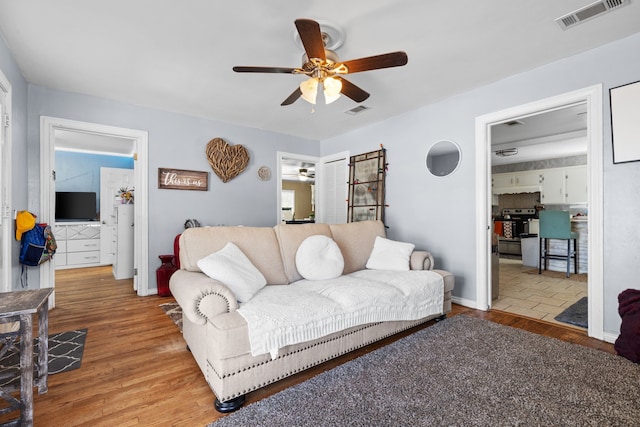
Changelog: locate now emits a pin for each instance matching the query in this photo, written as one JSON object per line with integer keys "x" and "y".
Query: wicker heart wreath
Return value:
{"x": 227, "y": 161}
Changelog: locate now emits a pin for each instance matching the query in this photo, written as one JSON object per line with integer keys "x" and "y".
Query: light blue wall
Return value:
{"x": 438, "y": 213}
{"x": 19, "y": 146}
{"x": 175, "y": 141}
{"x": 81, "y": 171}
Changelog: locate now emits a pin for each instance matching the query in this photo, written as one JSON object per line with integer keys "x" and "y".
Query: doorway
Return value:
{"x": 330, "y": 190}
{"x": 538, "y": 162}
{"x": 50, "y": 127}
{"x": 592, "y": 97}
{"x": 297, "y": 179}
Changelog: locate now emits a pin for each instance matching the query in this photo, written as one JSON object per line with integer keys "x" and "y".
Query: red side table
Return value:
{"x": 164, "y": 273}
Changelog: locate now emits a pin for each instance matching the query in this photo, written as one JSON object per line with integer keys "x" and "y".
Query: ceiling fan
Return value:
{"x": 302, "y": 172}
{"x": 322, "y": 66}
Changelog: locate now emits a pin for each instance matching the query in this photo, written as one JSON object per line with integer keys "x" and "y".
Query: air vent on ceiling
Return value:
{"x": 588, "y": 12}
{"x": 356, "y": 110}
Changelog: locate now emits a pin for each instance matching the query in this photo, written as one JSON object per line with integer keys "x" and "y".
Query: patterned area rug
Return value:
{"x": 173, "y": 310}
{"x": 576, "y": 314}
{"x": 65, "y": 354}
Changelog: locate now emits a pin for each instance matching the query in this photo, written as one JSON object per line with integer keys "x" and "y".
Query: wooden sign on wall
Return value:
{"x": 178, "y": 179}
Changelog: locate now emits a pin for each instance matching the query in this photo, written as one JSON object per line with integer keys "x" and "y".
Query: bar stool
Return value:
{"x": 557, "y": 225}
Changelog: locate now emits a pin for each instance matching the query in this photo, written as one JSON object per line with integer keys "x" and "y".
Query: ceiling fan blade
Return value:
{"x": 311, "y": 38}
{"x": 293, "y": 97}
{"x": 264, "y": 70}
{"x": 386, "y": 60}
{"x": 352, "y": 91}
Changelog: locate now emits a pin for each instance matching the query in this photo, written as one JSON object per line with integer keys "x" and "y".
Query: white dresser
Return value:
{"x": 78, "y": 244}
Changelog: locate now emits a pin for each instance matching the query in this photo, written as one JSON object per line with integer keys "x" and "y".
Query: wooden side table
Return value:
{"x": 20, "y": 306}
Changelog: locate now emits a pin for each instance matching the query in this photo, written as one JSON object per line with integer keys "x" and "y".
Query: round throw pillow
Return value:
{"x": 319, "y": 258}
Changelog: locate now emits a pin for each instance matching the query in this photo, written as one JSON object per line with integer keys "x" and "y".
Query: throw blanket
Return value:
{"x": 278, "y": 316}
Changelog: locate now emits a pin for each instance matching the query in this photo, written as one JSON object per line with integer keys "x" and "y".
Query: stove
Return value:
{"x": 510, "y": 226}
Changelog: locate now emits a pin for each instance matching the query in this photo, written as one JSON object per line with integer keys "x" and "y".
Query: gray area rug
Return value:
{"x": 65, "y": 354}
{"x": 174, "y": 311}
{"x": 461, "y": 372}
{"x": 576, "y": 314}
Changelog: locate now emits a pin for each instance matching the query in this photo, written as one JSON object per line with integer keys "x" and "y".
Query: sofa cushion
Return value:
{"x": 259, "y": 244}
{"x": 390, "y": 255}
{"x": 319, "y": 258}
{"x": 355, "y": 241}
{"x": 290, "y": 236}
{"x": 232, "y": 267}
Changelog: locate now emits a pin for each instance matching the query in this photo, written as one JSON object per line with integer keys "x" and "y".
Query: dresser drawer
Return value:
{"x": 83, "y": 245}
{"x": 62, "y": 246}
{"x": 60, "y": 259}
{"x": 89, "y": 257}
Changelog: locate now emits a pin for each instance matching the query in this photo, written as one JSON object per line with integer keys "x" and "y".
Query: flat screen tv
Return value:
{"x": 76, "y": 206}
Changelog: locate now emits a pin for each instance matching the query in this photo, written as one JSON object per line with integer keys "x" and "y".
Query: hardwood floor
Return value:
{"x": 136, "y": 370}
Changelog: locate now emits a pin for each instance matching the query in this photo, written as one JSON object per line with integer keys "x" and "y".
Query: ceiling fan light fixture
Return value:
{"x": 309, "y": 89}
{"x": 332, "y": 89}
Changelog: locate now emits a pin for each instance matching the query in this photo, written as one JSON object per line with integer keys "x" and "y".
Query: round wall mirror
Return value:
{"x": 443, "y": 158}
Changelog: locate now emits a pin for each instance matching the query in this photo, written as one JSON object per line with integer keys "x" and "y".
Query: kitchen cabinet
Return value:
{"x": 576, "y": 185}
{"x": 528, "y": 178}
{"x": 516, "y": 182}
{"x": 565, "y": 185}
{"x": 503, "y": 180}
{"x": 552, "y": 186}
{"x": 556, "y": 186}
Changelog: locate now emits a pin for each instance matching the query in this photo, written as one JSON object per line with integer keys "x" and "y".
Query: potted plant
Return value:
{"x": 126, "y": 195}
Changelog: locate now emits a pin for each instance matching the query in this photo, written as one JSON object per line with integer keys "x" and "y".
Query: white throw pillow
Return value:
{"x": 319, "y": 258}
{"x": 390, "y": 255}
{"x": 232, "y": 267}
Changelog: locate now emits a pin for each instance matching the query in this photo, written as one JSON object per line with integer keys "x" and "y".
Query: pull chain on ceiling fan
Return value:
{"x": 323, "y": 67}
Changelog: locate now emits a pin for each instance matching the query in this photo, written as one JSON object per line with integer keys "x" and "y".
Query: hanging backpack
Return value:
{"x": 37, "y": 245}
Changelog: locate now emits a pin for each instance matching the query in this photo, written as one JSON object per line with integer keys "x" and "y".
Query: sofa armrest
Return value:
{"x": 200, "y": 296}
{"x": 421, "y": 260}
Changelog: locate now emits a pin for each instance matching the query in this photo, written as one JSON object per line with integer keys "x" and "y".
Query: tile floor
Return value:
{"x": 533, "y": 295}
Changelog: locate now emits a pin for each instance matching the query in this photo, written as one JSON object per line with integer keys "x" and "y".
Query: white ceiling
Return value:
{"x": 547, "y": 135}
{"x": 178, "y": 56}
{"x": 93, "y": 143}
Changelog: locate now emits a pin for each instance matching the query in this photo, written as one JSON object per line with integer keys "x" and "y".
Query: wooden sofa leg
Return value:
{"x": 230, "y": 405}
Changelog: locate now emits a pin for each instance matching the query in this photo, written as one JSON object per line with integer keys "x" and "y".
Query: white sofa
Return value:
{"x": 216, "y": 331}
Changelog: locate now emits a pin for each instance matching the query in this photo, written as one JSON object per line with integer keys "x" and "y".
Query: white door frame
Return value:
{"x": 6, "y": 197}
{"x": 593, "y": 97}
{"x": 48, "y": 126}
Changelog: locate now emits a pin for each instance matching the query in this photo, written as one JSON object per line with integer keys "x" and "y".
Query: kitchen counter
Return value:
{"x": 580, "y": 226}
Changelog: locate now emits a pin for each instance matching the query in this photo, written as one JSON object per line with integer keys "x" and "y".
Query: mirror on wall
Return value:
{"x": 443, "y": 158}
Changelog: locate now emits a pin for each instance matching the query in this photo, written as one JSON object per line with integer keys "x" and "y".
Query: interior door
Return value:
{"x": 111, "y": 180}
{"x": 332, "y": 188}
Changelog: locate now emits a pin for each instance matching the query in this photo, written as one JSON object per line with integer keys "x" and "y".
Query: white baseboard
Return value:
{"x": 466, "y": 302}
{"x": 609, "y": 337}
